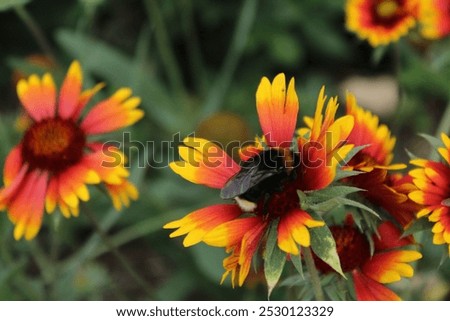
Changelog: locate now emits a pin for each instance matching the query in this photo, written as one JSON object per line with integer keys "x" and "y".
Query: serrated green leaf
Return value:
{"x": 274, "y": 259}
{"x": 10, "y": 4}
{"x": 331, "y": 192}
{"x": 324, "y": 207}
{"x": 340, "y": 174}
{"x": 297, "y": 262}
{"x": 435, "y": 142}
{"x": 349, "y": 202}
{"x": 324, "y": 246}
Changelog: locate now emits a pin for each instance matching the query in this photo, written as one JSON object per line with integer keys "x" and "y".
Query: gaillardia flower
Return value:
{"x": 381, "y": 21}
{"x": 265, "y": 185}
{"x": 56, "y": 159}
{"x": 388, "y": 264}
{"x": 434, "y": 16}
{"x": 433, "y": 182}
{"x": 390, "y": 191}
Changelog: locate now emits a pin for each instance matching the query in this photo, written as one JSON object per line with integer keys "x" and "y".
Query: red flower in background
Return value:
{"x": 56, "y": 160}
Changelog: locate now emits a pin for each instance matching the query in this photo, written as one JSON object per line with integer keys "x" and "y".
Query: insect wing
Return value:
{"x": 244, "y": 180}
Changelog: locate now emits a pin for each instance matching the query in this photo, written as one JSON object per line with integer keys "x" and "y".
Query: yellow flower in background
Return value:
{"x": 381, "y": 22}
{"x": 57, "y": 158}
{"x": 433, "y": 182}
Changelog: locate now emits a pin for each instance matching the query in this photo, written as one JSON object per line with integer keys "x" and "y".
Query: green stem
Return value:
{"x": 138, "y": 230}
{"x": 166, "y": 52}
{"x": 122, "y": 259}
{"x": 194, "y": 54}
{"x": 315, "y": 279}
{"x": 220, "y": 87}
{"x": 42, "y": 261}
{"x": 36, "y": 31}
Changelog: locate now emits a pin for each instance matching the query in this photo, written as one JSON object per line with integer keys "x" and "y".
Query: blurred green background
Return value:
{"x": 196, "y": 65}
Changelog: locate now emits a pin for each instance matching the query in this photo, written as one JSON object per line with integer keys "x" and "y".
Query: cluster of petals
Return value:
{"x": 381, "y": 22}
{"x": 432, "y": 180}
{"x": 242, "y": 232}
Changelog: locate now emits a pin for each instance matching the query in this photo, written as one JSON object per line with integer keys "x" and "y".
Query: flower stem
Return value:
{"x": 36, "y": 31}
{"x": 315, "y": 280}
{"x": 166, "y": 51}
{"x": 218, "y": 90}
{"x": 119, "y": 256}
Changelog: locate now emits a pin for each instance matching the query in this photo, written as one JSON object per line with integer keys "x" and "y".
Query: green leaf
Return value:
{"x": 435, "y": 142}
{"x": 418, "y": 226}
{"x": 323, "y": 207}
{"x": 274, "y": 259}
{"x": 324, "y": 246}
{"x": 340, "y": 174}
{"x": 410, "y": 154}
{"x": 331, "y": 192}
{"x": 378, "y": 54}
{"x": 10, "y": 4}
{"x": 297, "y": 262}
{"x": 349, "y": 202}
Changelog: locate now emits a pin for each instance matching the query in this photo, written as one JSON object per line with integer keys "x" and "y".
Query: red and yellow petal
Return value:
{"x": 390, "y": 237}
{"x": 368, "y": 131}
{"x": 38, "y": 96}
{"x": 204, "y": 163}
{"x": 231, "y": 265}
{"x": 277, "y": 110}
{"x": 13, "y": 165}
{"x": 241, "y": 237}
{"x": 108, "y": 164}
{"x": 380, "y": 22}
{"x": 25, "y": 204}
{"x": 198, "y": 224}
{"x": 445, "y": 151}
{"x": 369, "y": 290}
{"x": 435, "y": 18}
{"x": 70, "y": 91}
{"x": 121, "y": 194}
{"x": 388, "y": 267}
{"x": 118, "y": 111}
{"x": 231, "y": 232}
{"x": 323, "y": 146}
{"x": 293, "y": 230}
{"x": 84, "y": 98}
{"x": 249, "y": 245}
{"x": 67, "y": 189}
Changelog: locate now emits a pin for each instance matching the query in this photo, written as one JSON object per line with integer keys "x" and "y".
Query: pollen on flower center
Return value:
{"x": 53, "y": 144}
{"x": 352, "y": 247}
{"x": 387, "y": 9}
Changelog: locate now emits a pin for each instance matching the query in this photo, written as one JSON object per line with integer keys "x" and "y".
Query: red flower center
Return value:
{"x": 53, "y": 145}
{"x": 352, "y": 247}
{"x": 279, "y": 203}
{"x": 388, "y": 12}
